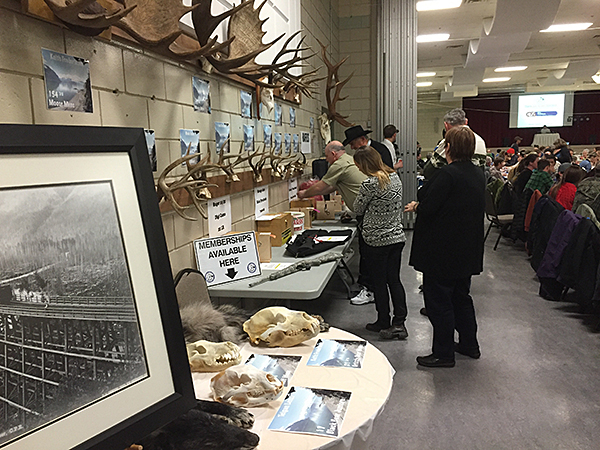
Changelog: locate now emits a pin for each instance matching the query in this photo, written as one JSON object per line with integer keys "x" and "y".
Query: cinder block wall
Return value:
{"x": 133, "y": 87}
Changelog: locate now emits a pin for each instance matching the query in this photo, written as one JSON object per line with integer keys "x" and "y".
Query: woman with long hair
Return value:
{"x": 447, "y": 248}
{"x": 561, "y": 151}
{"x": 564, "y": 192}
{"x": 379, "y": 201}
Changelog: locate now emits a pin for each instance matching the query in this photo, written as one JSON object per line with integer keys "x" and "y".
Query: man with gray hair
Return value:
{"x": 454, "y": 118}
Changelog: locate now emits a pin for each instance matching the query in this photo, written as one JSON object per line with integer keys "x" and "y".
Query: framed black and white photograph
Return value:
{"x": 222, "y": 132}
{"x": 305, "y": 146}
{"x": 248, "y": 138}
{"x": 287, "y": 139}
{"x": 268, "y": 136}
{"x": 201, "y": 93}
{"x": 246, "y": 103}
{"x": 278, "y": 115}
{"x": 189, "y": 141}
{"x": 67, "y": 80}
{"x": 91, "y": 345}
{"x": 277, "y": 143}
{"x": 292, "y": 116}
{"x": 151, "y": 143}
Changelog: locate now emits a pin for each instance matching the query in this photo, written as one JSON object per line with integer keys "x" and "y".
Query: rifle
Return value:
{"x": 300, "y": 265}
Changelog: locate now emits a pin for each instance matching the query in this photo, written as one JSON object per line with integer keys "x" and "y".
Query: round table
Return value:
{"x": 370, "y": 386}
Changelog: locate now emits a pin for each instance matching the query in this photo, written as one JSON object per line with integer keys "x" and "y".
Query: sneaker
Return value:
{"x": 363, "y": 297}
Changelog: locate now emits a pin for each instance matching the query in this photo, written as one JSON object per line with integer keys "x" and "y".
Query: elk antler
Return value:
{"x": 87, "y": 16}
{"x": 333, "y": 82}
{"x": 258, "y": 166}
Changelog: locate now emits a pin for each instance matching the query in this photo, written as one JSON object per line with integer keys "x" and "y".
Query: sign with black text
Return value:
{"x": 219, "y": 216}
{"x": 227, "y": 258}
{"x": 261, "y": 201}
{"x": 292, "y": 189}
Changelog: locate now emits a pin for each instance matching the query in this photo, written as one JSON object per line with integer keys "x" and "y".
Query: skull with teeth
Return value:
{"x": 205, "y": 356}
{"x": 277, "y": 326}
{"x": 245, "y": 386}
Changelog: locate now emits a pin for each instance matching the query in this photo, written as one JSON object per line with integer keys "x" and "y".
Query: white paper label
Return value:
{"x": 261, "y": 201}
{"x": 219, "y": 216}
{"x": 292, "y": 189}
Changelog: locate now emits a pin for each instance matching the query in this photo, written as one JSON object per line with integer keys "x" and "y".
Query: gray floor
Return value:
{"x": 536, "y": 385}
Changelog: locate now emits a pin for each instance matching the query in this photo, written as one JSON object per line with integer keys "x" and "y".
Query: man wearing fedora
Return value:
{"x": 356, "y": 136}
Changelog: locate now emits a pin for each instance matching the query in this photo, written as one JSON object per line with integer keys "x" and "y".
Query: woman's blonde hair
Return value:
{"x": 369, "y": 162}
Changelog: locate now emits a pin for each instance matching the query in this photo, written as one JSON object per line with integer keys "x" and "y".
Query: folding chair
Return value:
{"x": 503, "y": 221}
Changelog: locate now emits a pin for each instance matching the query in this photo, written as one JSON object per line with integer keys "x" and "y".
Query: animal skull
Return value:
{"x": 266, "y": 98}
{"x": 245, "y": 386}
{"x": 325, "y": 128}
{"x": 205, "y": 356}
{"x": 277, "y": 326}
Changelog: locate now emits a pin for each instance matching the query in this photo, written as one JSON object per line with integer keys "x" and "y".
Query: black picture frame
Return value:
{"x": 27, "y": 145}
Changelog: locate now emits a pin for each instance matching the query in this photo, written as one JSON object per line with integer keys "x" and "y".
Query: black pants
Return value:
{"x": 449, "y": 307}
{"x": 383, "y": 270}
{"x": 363, "y": 276}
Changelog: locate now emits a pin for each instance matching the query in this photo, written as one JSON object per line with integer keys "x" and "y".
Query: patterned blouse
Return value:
{"x": 382, "y": 210}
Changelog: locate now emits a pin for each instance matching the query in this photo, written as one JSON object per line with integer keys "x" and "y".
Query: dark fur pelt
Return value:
{"x": 209, "y": 426}
{"x": 202, "y": 321}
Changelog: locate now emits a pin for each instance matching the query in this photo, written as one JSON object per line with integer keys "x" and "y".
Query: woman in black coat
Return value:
{"x": 447, "y": 247}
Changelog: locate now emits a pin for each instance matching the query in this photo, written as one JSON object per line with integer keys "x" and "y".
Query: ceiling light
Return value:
{"x": 510, "y": 69}
{"x": 431, "y": 5}
{"x": 433, "y": 37}
{"x": 424, "y": 83}
{"x": 425, "y": 74}
{"x": 567, "y": 27}
{"x": 495, "y": 80}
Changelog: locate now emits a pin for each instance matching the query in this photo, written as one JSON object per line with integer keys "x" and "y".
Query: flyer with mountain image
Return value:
{"x": 338, "y": 353}
{"x": 280, "y": 366}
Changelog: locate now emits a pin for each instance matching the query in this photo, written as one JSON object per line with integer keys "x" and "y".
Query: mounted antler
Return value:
{"x": 87, "y": 16}
{"x": 258, "y": 166}
{"x": 333, "y": 82}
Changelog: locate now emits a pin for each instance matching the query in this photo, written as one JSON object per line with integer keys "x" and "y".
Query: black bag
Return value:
{"x": 308, "y": 243}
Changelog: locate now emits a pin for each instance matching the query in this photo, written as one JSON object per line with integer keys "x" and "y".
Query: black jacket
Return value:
{"x": 384, "y": 152}
{"x": 448, "y": 237}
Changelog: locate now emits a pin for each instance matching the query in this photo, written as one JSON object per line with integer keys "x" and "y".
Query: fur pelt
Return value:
{"x": 202, "y": 321}
{"x": 208, "y": 426}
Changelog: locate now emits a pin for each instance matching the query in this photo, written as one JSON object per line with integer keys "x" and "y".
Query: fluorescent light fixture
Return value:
{"x": 495, "y": 80}
{"x": 432, "y": 5}
{"x": 425, "y": 74}
{"x": 433, "y": 37}
{"x": 510, "y": 69}
{"x": 424, "y": 83}
{"x": 567, "y": 27}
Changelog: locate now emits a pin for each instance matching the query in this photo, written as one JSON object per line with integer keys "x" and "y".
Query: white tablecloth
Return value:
{"x": 370, "y": 386}
{"x": 546, "y": 139}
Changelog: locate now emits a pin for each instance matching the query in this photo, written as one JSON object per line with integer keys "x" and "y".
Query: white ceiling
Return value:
{"x": 512, "y": 38}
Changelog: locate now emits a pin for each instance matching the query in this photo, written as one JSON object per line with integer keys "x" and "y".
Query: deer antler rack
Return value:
{"x": 257, "y": 166}
{"x": 334, "y": 83}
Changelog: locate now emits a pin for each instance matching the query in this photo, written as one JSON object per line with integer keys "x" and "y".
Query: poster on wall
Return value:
{"x": 219, "y": 216}
{"x": 248, "y": 138}
{"x": 288, "y": 143}
{"x": 189, "y": 141}
{"x": 292, "y": 116}
{"x": 222, "y": 136}
{"x": 312, "y": 125}
{"x": 296, "y": 143}
{"x": 261, "y": 201}
{"x": 201, "y": 93}
{"x": 305, "y": 145}
{"x": 278, "y": 118}
{"x": 67, "y": 80}
{"x": 312, "y": 411}
{"x": 246, "y": 103}
{"x": 151, "y": 144}
{"x": 277, "y": 143}
{"x": 268, "y": 136}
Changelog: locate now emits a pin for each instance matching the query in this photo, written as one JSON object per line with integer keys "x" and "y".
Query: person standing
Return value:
{"x": 379, "y": 200}
{"x": 357, "y": 137}
{"x": 447, "y": 247}
{"x": 389, "y": 140}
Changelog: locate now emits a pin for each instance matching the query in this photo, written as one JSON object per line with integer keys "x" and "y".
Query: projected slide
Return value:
{"x": 536, "y": 111}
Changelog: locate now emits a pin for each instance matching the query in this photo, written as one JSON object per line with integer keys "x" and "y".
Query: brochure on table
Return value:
{"x": 280, "y": 366}
{"x": 338, "y": 353}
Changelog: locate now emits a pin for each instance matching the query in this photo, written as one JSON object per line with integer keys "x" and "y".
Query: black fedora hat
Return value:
{"x": 354, "y": 132}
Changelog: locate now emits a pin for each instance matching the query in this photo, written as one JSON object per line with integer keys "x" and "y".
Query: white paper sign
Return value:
{"x": 227, "y": 258}
{"x": 305, "y": 144}
{"x": 261, "y": 201}
{"x": 292, "y": 189}
{"x": 219, "y": 216}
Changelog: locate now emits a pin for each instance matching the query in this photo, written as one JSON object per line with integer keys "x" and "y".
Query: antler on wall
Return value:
{"x": 334, "y": 83}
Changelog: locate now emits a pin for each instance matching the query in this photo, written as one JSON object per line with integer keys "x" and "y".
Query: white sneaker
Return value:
{"x": 363, "y": 297}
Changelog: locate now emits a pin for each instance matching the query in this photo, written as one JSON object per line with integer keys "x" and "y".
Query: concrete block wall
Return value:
{"x": 430, "y": 114}
{"x": 133, "y": 87}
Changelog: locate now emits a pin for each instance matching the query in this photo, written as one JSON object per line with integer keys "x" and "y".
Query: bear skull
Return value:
{"x": 277, "y": 326}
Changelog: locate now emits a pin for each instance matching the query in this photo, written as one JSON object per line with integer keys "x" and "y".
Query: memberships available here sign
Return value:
{"x": 227, "y": 258}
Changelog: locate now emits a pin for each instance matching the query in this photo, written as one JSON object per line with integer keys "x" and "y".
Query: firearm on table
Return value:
{"x": 300, "y": 265}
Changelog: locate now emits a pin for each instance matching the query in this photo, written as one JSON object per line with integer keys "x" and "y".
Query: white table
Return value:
{"x": 370, "y": 386}
{"x": 545, "y": 139}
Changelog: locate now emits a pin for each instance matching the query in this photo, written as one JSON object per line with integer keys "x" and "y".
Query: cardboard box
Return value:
{"x": 338, "y": 202}
{"x": 280, "y": 226}
{"x": 308, "y": 215}
{"x": 304, "y": 203}
{"x": 263, "y": 241}
{"x": 325, "y": 210}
